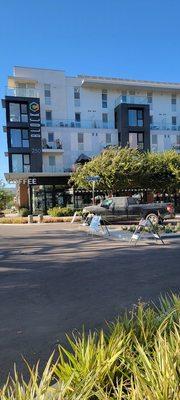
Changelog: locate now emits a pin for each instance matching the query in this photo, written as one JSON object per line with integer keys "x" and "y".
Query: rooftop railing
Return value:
{"x": 131, "y": 99}
{"x": 70, "y": 123}
{"x": 21, "y": 92}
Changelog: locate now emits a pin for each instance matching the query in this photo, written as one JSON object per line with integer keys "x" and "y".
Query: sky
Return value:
{"x": 138, "y": 39}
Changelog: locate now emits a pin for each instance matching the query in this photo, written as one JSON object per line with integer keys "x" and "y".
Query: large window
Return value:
{"x": 136, "y": 140}
{"x": 104, "y": 98}
{"x": 173, "y": 102}
{"x": 52, "y": 161}
{"x": 78, "y": 119}
{"x": 50, "y": 136}
{"x": 105, "y": 120}
{"x": 77, "y": 96}
{"x": 47, "y": 93}
{"x": 19, "y": 138}
{"x": 80, "y": 141}
{"x": 48, "y": 118}
{"x": 20, "y": 163}
{"x": 174, "y": 123}
{"x": 108, "y": 138}
{"x": 18, "y": 112}
{"x": 135, "y": 117}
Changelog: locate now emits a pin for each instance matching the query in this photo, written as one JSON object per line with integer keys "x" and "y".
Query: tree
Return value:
{"x": 126, "y": 168}
{"x": 5, "y": 197}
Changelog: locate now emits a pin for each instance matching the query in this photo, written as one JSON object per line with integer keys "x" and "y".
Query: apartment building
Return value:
{"x": 54, "y": 121}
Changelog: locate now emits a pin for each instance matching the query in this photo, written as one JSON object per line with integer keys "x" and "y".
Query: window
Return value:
{"x": 47, "y": 93}
{"x": 135, "y": 117}
{"x": 80, "y": 141}
{"x": 151, "y": 119}
{"x": 173, "y": 102}
{"x": 78, "y": 119}
{"x": 104, "y": 98}
{"x": 26, "y": 162}
{"x": 19, "y": 138}
{"x": 149, "y": 97}
{"x": 15, "y": 135}
{"x": 52, "y": 161}
{"x": 174, "y": 123}
{"x": 20, "y": 163}
{"x": 124, "y": 98}
{"x": 140, "y": 141}
{"x": 18, "y": 112}
{"x": 154, "y": 139}
{"x": 50, "y": 136}
{"x": 14, "y": 111}
{"x": 105, "y": 120}
{"x": 108, "y": 138}
{"x": 178, "y": 139}
{"x": 77, "y": 96}
{"x": 48, "y": 118}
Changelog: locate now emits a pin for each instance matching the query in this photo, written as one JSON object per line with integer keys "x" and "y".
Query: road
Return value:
{"x": 54, "y": 279}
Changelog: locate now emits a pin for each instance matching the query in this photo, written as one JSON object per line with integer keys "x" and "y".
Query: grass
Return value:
{"x": 136, "y": 358}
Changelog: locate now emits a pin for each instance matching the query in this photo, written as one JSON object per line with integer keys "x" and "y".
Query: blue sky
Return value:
{"x": 137, "y": 39}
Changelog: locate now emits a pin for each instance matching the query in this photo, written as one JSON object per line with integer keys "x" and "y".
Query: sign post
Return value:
{"x": 93, "y": 179}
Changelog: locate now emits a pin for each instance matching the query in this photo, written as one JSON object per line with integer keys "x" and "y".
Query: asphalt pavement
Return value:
{"x": 54, "y": 278}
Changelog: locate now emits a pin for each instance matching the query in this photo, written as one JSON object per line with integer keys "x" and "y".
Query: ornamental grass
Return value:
{"x": 136, "y": 358}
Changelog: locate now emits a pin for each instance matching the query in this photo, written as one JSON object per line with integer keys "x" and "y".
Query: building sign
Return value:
{"x": 32, "y": 181}
{"x": 34, "y": 118}
{"x": 35, "y": 134}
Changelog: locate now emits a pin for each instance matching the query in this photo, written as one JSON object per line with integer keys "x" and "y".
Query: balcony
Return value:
{"x": 131, "y": 99}
{"x": 52, "y": 147}
{"x": 164, "y": 126}
{"x": 70, "y": 123}
{"x": 52, "y": 169}
{"x": 21, "y": 92}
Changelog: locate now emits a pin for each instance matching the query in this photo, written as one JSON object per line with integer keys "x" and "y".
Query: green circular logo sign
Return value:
{"x": 34, "y": 107}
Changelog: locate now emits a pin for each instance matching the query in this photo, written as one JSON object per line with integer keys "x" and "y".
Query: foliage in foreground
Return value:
{"x": 137, "y": 358}
{"x": 127, "y": 168}
{"x": 60, "y": 212}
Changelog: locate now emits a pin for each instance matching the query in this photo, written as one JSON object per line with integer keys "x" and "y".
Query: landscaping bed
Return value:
{"x": 135, "y": 358}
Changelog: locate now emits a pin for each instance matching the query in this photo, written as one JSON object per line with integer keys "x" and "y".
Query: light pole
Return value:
{"x": 93, "y": 179}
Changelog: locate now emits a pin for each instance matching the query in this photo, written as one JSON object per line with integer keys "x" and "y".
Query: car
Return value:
{"x": 129, "y": 208}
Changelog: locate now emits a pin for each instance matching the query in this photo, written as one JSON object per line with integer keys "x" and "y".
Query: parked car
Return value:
{"x": 129, "y": 208}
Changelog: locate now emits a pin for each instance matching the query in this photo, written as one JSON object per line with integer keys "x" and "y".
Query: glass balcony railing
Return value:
{"x": 70, "y": 123}
{"x": 56, "y": 145}
{"x": 164, "y": 126}
{"x": 22, "y": 92}
{"x": 52, "y": 169}
{"x": 131, "y": 99}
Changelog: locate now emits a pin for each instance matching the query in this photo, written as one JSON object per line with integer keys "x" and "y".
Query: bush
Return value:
{"x": 18, "y": 220}
{"x": 136, "y": 358}
{"x": 60, "y": 212}
{"x": 24, "y": 212}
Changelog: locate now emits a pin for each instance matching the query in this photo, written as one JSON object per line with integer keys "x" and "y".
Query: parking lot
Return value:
{"x": 54, "y": 278}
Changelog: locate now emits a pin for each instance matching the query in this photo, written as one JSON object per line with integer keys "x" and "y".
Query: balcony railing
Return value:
{"x": 131, "y": 99}
{"x": 70, "y": 123}
{"x": 164, "y": 126}
{"x": 22, "y": 92}
{"x": 55, "y": 145}
{"x": 52, "y": 169}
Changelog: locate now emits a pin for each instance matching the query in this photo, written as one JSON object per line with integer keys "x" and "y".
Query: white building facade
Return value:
{"x": 78, "y": 112}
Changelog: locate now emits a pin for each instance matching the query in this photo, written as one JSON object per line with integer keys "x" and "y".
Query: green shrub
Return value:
{"x": 14, "y": 220}
{"x": 60, "y": 212}
{"x": 24, "y": 212}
